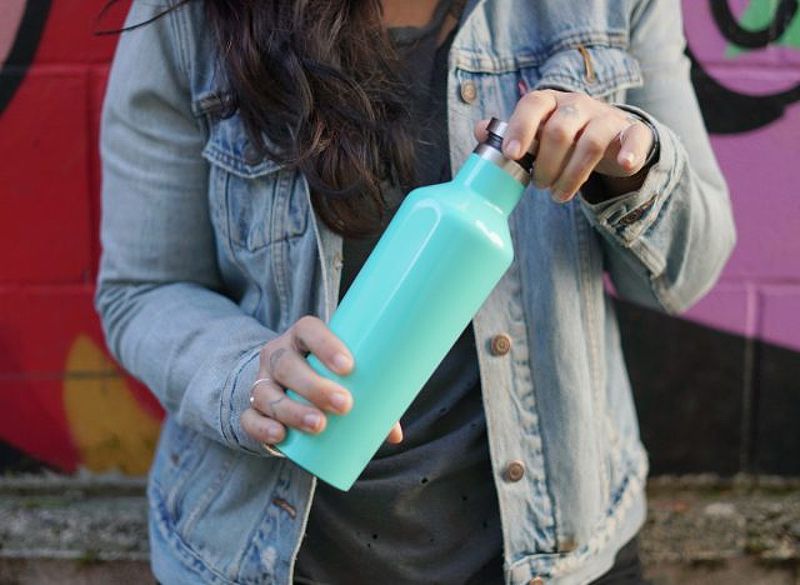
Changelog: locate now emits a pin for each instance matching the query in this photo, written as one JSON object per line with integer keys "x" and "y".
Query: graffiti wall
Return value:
{"x": 729, "y": 379}
{"x": 727, "y": 375}
{"x": 63, "y": 401}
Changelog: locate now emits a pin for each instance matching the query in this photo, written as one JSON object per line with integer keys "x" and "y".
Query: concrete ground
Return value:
{"x": 700, "y": 530}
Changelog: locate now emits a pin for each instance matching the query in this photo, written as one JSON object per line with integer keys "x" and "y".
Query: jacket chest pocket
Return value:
{"x": 496, "y": 81}
{"x": 255, "y": 202}
{"x": 601, "y": 71}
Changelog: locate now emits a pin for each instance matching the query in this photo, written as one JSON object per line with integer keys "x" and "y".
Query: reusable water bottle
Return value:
{"x": 444, "y": 251}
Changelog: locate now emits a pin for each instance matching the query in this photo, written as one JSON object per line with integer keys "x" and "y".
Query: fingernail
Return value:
{"x": 272, "y": 434}
{"x": 512, "y": 149}
{"x": 341, "y": 361}
{"x": 339, "y": 400}
{"x": 628, "y": 159}
{"x": 559, "y": 196}
{"x": 312, "y": 421}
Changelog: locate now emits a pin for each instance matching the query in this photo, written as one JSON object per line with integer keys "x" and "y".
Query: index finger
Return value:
{"x": 311, "y": 334}
{"x": 533, "y": 109}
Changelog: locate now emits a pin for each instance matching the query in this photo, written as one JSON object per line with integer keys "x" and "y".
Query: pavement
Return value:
{"x": 705, "y": 530}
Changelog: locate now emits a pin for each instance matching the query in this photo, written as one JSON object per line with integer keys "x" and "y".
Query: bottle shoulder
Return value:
{"x": 455, "y": 201}
{"x": 459, "y": 210}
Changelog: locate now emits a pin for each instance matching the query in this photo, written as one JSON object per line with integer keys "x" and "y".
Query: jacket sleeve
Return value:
{"x": 159, "y": 295}
{"x": 666, "y": 244}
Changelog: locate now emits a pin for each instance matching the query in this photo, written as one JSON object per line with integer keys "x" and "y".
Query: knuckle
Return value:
{"x": 326, "y": 343}
{"x": 539, "y": 97}
{"x": 305, "y": 320}
{"x": 266, "y": 350}
{"x": 533, "y": 97}
{"x": 306, "y": 323}
{"x": 283, "y": 411}
{"x": 557, "y": 132}
{"x": 594, "y": 145}
{"x": 282, "y": 368}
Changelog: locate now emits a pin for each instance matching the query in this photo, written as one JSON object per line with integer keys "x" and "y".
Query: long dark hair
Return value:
{"x": 319, "y": 79}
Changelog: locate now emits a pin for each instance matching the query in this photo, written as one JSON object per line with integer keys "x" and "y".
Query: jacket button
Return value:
{"x": 501, "y": 344}
{"x": 536, "y": 581}
{"x": 468, "y": 91}
{"x": 567, "y": 545}
{"x": 515, "y": 470}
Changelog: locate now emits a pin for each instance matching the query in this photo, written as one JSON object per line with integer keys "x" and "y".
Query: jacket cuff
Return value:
{"x": 236, "y": 400}
{"x": 627, "y": 216}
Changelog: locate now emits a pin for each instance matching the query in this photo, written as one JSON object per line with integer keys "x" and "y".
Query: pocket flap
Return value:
{"x": 596, "y": 70}
{"x": 229, "y": 147}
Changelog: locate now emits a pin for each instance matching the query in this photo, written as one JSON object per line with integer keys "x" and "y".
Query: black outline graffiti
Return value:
{"x": 729, "y": 112}
{"x": 22, "y": 52}
{"x": 757, "y": 39}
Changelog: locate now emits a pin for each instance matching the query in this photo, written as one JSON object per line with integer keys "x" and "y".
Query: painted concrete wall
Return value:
{"x": 63, "y": 401}
{"x": 722, "y": 392}
{"x": 755, "y": 112}
{"x": 65, "y": 404}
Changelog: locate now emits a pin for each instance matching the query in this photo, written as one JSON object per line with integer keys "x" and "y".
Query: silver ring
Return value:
{"x": 253, "y": 387}
{"x": 257, "y": 382}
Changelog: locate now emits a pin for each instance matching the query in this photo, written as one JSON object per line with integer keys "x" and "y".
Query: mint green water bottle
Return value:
{"x": 441, "y": 255}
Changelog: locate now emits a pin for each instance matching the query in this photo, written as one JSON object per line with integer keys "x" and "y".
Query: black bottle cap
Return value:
{"x": 497, "y": 130}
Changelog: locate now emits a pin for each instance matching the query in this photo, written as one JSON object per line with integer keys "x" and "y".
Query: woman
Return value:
{"x": 252, "y": 154}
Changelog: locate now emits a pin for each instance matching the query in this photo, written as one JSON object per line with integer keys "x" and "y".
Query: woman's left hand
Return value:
{"x": 572, "y": 135}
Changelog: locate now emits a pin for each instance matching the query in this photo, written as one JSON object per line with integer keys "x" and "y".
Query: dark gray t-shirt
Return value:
{"x": 424, "y": 511}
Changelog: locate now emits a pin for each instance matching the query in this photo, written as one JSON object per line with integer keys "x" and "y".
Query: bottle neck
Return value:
{"x": 496, "y": 185}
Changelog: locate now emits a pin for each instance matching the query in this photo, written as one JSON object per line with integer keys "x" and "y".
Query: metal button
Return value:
{"x": 567, "y": 544}
{"x": 536, "y": 581}
{"x": 515, "y": 470}
{"x": 501, "y": 344}
{"x": 468, "y": 91}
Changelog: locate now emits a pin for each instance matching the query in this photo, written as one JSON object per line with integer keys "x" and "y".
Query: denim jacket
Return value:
{"x": 209, "y": 252}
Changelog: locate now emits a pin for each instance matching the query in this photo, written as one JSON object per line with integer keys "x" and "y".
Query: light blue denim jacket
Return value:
{"x": 209, "y": 253}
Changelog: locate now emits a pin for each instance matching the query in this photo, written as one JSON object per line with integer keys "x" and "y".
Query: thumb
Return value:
{"x": 396, "y": 434}
{"x": 636, "y": 140}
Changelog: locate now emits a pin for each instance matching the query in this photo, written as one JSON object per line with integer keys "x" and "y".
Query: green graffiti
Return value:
{"x": 760, "y": 14}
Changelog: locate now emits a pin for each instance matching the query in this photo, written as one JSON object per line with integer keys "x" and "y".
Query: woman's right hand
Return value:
{"x": 282, "y": 364}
